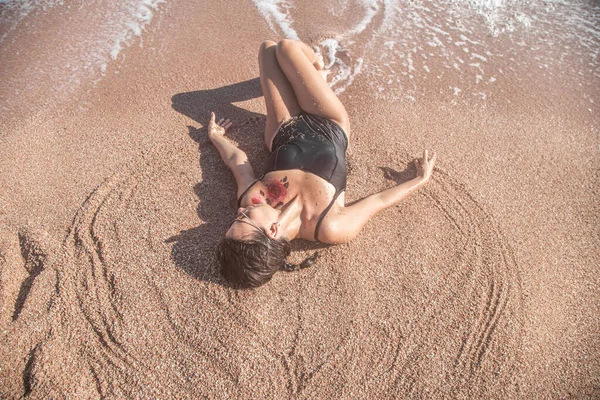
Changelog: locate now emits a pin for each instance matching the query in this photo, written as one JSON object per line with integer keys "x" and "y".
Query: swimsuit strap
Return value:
{"x": 324, "y": 213}
{"x": 246, "y": 191}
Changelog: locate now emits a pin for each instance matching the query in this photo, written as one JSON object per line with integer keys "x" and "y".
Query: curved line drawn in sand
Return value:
{"x": 493, "y": 256}
{"x": 135, "y": 321}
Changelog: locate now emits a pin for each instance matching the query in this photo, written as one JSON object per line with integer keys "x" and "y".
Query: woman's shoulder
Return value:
{"x": 245, "y": 199}
{"x": 329, "y": 231}
{"x": 326, "y": 228}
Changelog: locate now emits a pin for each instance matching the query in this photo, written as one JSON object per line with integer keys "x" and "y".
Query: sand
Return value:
{"x": 484, "y": 284}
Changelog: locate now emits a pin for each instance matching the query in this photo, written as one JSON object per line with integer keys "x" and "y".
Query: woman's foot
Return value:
{"x": 319, "y": 64}
{"x": 324, "y": 73}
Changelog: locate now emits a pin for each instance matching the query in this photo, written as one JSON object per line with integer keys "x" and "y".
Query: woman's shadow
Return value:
{"x": 194, "y": 250}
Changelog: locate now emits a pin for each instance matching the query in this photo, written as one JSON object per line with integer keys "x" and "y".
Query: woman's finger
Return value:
{"x": 433, "y": 158}
{"x": 212, "y": 117}
{"x": 220, "y": 121}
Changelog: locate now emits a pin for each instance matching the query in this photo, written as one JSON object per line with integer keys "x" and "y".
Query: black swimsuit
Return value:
{"x": 314, "y": 144}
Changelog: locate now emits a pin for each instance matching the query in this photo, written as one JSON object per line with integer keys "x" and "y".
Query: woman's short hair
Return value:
{"x": 251, "y": 262}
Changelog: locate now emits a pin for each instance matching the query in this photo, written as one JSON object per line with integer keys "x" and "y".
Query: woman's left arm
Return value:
{"x": 346, "y": 224}
{"x": 232, "y": 156}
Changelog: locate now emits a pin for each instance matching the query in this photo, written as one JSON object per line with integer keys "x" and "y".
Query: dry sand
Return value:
{"x": 482, "y": 285}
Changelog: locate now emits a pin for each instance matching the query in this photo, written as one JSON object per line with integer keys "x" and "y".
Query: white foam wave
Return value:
{"x": 394, "y": 39}
{"x": 371, "y": 8}
{"x": 331, "y": 47}
{"x": 14, "y": 11}
{"x": 139, "y": 15}
{"x": 277, "y": 12}
{"x": 106, "y": 35}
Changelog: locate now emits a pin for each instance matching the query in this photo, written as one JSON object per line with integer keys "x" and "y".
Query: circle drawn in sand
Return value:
{"x": 424, "y": 310}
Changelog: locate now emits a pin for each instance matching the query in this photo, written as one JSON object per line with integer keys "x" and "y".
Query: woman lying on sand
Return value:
{"x": 301, "y": 194}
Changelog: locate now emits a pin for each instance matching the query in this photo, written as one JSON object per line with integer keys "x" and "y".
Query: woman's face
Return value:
{"x": 263, "y": 215}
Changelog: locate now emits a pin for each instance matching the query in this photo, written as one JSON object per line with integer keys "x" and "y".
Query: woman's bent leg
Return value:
{"x": 280, "y": 99}
{"x": 313, "y": 94}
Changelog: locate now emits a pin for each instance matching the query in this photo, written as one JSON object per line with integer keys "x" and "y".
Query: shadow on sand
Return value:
{"x": 194, "y": 249}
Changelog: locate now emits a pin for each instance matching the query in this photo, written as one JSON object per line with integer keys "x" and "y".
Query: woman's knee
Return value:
{"x": 265, "y": 45}
{"x": 287, "y": 46}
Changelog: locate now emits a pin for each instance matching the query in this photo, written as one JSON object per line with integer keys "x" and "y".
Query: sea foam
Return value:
{"x": 14, "y": 11}
{"x": 276, "y": 13}
{"x": 112, "y": 27}
{"x": 397, "y": 43}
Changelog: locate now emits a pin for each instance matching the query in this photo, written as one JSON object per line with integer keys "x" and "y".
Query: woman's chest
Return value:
{"x": 315, "y": 193}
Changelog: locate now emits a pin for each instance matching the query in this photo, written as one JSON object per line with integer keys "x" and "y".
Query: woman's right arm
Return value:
{"x": 346, "y": 224}
{"x": 232, "y": 156}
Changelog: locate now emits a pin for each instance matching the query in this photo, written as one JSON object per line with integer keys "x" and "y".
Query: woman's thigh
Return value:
{"x": 280, "y": 98}
{"x": 313, "y": 94}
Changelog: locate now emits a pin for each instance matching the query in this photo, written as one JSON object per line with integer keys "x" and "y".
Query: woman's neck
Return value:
{"x": 290, "y": 218}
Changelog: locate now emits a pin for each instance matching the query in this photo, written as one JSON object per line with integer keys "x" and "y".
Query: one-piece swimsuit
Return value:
{"x": 314, "y": 144}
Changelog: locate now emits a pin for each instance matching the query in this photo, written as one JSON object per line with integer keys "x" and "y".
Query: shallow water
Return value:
{"x": 461, "y": 48}
{"x": 103, "y": 29}
{"x": 403, "y": 49}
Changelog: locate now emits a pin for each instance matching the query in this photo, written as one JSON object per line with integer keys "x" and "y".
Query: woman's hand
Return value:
{"x": 425, "y": 166}
{"x": 217, "y": 128}
{"x": 235, "y": 159}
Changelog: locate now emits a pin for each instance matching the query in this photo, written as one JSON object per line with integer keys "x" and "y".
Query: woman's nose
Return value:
{"x": 239, "y": 211}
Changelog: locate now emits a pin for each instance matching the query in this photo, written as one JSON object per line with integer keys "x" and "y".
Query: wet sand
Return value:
{"x": 482, "y": 285}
